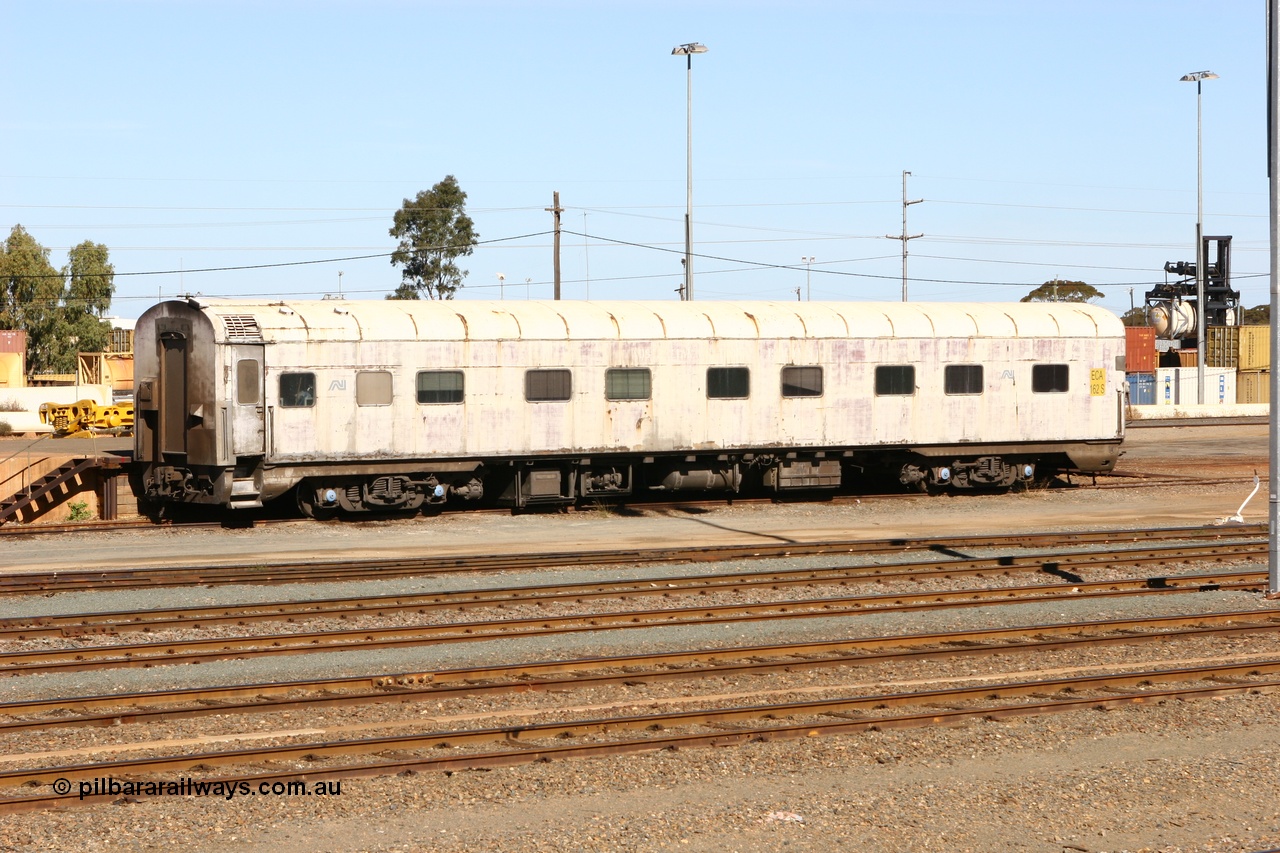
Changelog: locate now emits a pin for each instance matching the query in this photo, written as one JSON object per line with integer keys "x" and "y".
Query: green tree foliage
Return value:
{"x": 1063, "y": 291}
{"x": 405, "y": 291}
{"x": 61, "y": 311}
{"x": 434, "y": 231}
{"x": 1258, "y": 315}
{"x": 29, "y": 281}
{"x": 90, "y": 282}
{"x": 1135, "y": 317}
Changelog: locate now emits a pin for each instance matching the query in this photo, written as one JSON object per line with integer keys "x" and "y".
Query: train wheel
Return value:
{"x": 308, "y": 506}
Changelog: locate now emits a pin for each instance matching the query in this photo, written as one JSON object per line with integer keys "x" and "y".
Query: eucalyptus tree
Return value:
{"x": 434, "y": 231}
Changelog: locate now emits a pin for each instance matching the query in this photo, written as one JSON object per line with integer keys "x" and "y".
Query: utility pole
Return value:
{"x": 1273, "y": 182}
{"x": 905, "y": 237}
{"x": 555, "y": 211}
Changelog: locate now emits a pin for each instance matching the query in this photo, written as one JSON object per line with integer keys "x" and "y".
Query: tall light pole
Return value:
{"x": 1198, "y": 77}
{"x": 687, "y": 51}
{"x": 808, "y": 271}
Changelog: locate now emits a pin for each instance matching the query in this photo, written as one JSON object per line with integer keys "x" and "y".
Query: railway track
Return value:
{"x": 154, "y": 620}
{"x": 38, "y": 583}
{"x": 946, "y": 582}
{"x": 80, "y": 657}
{"x": 615, "y": 735}
{"x": 577, "y": 673}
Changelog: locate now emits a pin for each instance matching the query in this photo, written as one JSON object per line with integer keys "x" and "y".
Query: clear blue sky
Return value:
{"x": 1049, "y": 140}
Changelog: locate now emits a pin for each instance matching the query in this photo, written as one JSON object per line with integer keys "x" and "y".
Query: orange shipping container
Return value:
{"x": 13, "y": 340}
{"x": 1140, "y": 349}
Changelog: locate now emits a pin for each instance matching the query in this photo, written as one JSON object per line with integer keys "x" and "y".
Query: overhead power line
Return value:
{"x": 288, "y": 263}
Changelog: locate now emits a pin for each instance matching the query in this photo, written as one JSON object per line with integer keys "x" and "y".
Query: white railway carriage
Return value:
{"x": 392, "y": 404}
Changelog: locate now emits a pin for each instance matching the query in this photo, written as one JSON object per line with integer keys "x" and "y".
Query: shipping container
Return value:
{"x": 1222, "y": 346}
{"x": 11, "y": 372}
{"x": 1241, "y": 347}
{"x": 1140, "y": 349}
{"x": 1188, "y": 357}
{"x": 1253, "y": 386}
{"x": 1179, "y": 386}
{"x": 1142, "y": 388}
{"x": 13, "y": 340}
{"x": 1255, "y": 348}
{"x": 121, "y": 340}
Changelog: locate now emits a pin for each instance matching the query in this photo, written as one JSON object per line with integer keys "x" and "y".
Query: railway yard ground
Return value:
{"x": 967, "y": 673}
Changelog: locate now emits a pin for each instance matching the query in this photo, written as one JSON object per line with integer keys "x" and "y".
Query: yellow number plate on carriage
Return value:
{"x": 1098, "y": 382}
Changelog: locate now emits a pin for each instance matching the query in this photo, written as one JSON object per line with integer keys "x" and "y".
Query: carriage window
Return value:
{"x": 895, "y": 380}
{"x": 627, "y": 383}
{"x": 247, "y": 391}
{"x": 961, "y": 379}
{"x": 1049, "y": 378}
{"x": 802, "y": 381}
{"x": 544, "y": 386}
{"x": 728, "y": 383}
{"x": 297, "y": 390}
{"x": 373, "y": 388}
{"x": 439, "y": 386}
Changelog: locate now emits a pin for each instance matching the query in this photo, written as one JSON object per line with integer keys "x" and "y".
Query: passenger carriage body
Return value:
{"x": 392, "y": 404}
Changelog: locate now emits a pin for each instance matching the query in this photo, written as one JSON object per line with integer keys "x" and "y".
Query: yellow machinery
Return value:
{"x": 86, "y": 416}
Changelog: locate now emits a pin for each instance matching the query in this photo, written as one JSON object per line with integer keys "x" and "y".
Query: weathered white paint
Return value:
{"x": 494, "y": 343}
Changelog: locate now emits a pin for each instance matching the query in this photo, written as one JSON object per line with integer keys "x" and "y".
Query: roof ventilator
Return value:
{"x": 241, "y": 327}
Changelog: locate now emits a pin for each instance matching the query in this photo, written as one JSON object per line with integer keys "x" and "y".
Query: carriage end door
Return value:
{"x": 248, "y": 400}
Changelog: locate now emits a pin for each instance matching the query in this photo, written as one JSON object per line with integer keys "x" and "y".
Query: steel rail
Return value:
{"x": 842, "y": 707}
{"x": 24, "y": 583}
{"x": 164, "y": 619}
{"x": 404, "y": 688}
{"x": 192, "y": 651}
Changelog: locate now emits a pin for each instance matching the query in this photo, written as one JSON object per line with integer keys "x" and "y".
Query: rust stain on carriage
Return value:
{"x": 466, "y": 329}
{"x": 754, "y": 322}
